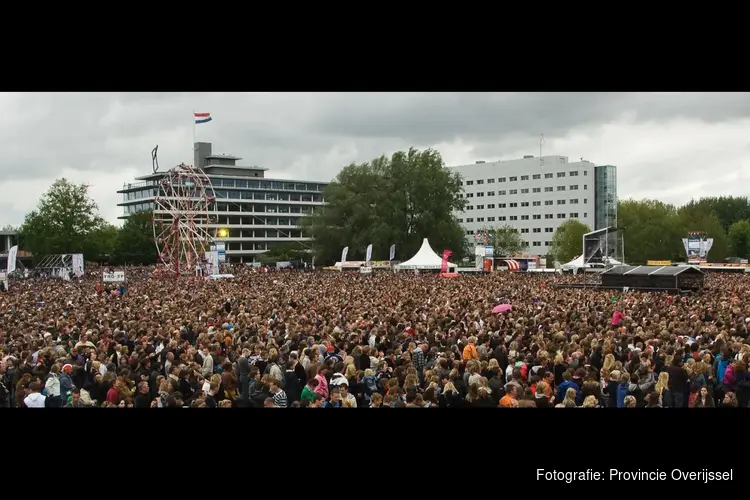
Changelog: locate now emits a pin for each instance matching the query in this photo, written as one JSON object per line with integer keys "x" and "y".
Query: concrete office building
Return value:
{"x": 258, "y": 212}
{"x": 536, "y": 195}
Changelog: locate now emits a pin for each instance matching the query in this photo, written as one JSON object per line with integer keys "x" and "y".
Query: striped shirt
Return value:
{"x": 279, "y": 399}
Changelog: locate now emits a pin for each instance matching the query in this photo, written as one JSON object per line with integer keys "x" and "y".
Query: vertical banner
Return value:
{"x": 313, "y": 263}
{"x": 344, "y": 253}
{"x": 368, "y": 257}
{"x": 12, "y": 256}
{"x": 444, "y": 263}
{"x": 392, "y": 254}
{"x": 221, "y": 249}
{"x": 77, "y": 264}
{"x": 697, "y": 247}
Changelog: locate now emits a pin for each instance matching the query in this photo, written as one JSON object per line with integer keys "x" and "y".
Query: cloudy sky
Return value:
{"x": 671, "y": 146}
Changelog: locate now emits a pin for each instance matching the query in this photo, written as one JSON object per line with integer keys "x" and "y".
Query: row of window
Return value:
{"x": 263, "y": 184}
{"x": 236, "y": 220}
{"x": 514, "y": 178}
{"x": 264, "y": 233}
{"x": 238, "y": 195}
{"x": 529, "y": 243}
{"x": 502, "y": 192}
{"x": 250, "y": 246}
{"x": 263, "y": 208}
{"x": 503, "y": 218}
{"x": 515, "y": 204}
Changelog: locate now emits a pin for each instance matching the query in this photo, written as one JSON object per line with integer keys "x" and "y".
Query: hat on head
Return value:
{"x": 330, "y": 348}
{"x": 67, "y": 367}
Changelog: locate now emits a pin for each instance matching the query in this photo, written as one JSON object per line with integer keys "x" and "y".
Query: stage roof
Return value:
{"x": 655, "y": 270}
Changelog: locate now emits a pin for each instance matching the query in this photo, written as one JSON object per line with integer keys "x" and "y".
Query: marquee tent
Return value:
{"x": 577, "y": 263}
{"x": 426, "y": 258}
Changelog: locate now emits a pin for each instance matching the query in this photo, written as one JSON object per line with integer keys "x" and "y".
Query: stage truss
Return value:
{"x": 602, "y": 249}
{"x": 184, "y": 211}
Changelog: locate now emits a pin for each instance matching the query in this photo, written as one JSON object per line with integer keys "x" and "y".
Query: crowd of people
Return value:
{"x": 342, "y": 340}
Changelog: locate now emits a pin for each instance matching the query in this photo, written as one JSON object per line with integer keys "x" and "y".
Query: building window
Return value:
{"x": 573, "y": 173}
{"x": 561, "y": 202}
{"x": 549, "y": 230}
{"x": 536, "y": 203}
{"x": 491, "y": 181}
{"x": 547, "y": 243}
{"x": 480, "y": 219}
{"x": 501, "y": 218}
{"x": 585, "y": 172}
{"x": 524, "y": 203}
{"x": 537, "y": 217}
{"x": 469, "y": 232}
{"x": 547, "y": 176}
{"x": 524, "y": 230}
{"x": 525, "y": 191}
{"x": 490, "y": 206}
{"x": 549, "y": 189}
{"x": 513, "y": 191}
{"x": 561, "y": 188}
{"x": 501, "y": 193}
{"x": 470, "y": 207}
{"x": 501, "y": 205}
{"x": 513, "y": 217}
{"x": 512, "y": 179}
{"x": 547, "y": 203}
{"x": 524, "y": 217}
{"x": 560, "y": 216}
{"x": 501, "y": 179}
{"x": 585, "y": 201}
{"x": 585, "y": 187}
{"x": 536, "y": 177}
{"x": 585, "y": 215}
{"x": 469, "y": 220}
{"x": 490, "y": 219}
{"x": 480, "y": 207}
{"x": 574, "y": 201}
{"x": 460, "y": 221}
{"x": 480, "y": 195}
{"x": 574, "y": 187}
{"x": 470, "y": 195}
{"x": 560, "y": 174}
{"x": 548, "y": 216}
{"x": 490, "y": 193}
{"x": 469, "y": 183}
{"x": 513, "y": 205}
{"x": 537, "y": 229}
{"x": 524, "y": 177}
{"x": 537, "y": 243}
{"x": 574, "y": 215}
{"x": 536, "y": 190}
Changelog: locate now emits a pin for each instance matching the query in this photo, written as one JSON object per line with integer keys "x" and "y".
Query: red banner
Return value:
{"x": 444, "y": 264}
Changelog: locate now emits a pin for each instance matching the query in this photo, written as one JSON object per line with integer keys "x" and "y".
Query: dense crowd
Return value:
{"x": 330, "y": 339}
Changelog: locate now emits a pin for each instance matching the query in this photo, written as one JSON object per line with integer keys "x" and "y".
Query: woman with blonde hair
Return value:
{"x": 662, "y": 390}
{"x": 570, "y": 398}
{"x": 589, "y": 402}
{"x": 609, "y": 362}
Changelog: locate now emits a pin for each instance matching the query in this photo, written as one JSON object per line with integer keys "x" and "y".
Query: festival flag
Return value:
{"x": 12, "y": 256}
{"x": 369, "y": 253}
{"x": 201, "y": 117}
{"x": 393, "y": 252}
{"x": 444, "y": 264}
{"x": 344, "y": 253}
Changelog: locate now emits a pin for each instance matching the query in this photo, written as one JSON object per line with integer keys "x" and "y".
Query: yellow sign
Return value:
{"x": 658, "y": 262}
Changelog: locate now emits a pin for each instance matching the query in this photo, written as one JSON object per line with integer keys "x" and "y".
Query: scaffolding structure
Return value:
{"x": 57, "y": 265}
{"x": 601, "y": 249}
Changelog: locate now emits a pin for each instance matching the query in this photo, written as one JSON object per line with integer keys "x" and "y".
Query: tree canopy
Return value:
{"x": 135, "y": 240}
{"x": 66, "y": 220}
{"x": 567, "y": 241}
{"x": 398, "y": 200}
{"x": 506, "y": 241}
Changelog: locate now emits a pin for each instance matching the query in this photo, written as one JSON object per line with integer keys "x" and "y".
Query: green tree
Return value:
{"x": 567, "y": 241}
{"x": 66, "y": 220}
{"x": 398, "y": 200}
{"x": 728, "y": 209}
{"x": 693, "y": 217}
{"x": 506, "y": 241}
{"x": 135, "y": 240}
{"x": 285, "y": 252}
{"x": 652, "y": 231}
{"x": 739, "y": 239}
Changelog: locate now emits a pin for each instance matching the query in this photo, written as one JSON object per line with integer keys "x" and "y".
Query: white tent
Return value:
{"x": 426, "y": 258}
{"x": 577, "y": 263}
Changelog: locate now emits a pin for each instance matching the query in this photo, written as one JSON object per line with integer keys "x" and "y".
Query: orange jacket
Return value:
{"x": 470, "y": 352}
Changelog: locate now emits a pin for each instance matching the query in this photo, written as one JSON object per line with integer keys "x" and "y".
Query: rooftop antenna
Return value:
{"x": 541, "y": 146}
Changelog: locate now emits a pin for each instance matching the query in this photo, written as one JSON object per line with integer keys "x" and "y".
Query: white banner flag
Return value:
{"x": 344, "y": 253}
{"x": 368, "y": 257}
{"x": 77, "y": 264}
{"x": 393, "y": 252}
{"x": 12, "y": 256}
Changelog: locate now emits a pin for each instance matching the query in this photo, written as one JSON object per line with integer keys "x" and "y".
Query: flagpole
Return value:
{"x": 194, "y": 135}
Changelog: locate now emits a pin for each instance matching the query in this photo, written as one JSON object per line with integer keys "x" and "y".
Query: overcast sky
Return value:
{"x": 670, "y": 146}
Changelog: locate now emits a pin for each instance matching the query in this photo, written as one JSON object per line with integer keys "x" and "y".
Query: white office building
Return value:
{"x": 536, "y": 195}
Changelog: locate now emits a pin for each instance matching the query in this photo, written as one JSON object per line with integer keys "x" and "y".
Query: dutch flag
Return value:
{"x": 202, "y": 117}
